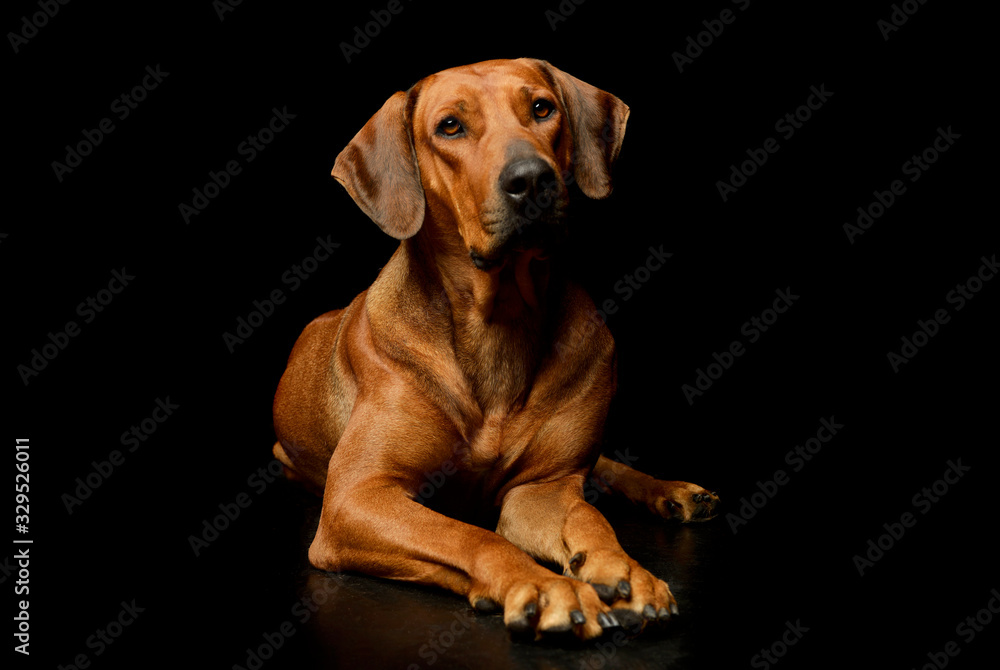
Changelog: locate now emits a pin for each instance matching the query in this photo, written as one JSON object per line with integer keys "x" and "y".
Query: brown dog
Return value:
{"x": 461, "y": 373}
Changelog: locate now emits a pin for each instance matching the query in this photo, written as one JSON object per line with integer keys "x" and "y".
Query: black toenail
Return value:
{"x": 486, "y": 606}
{"x": 629, "y": 620}
{"x": 604, "y": 592}
{"x": 520, "y": 627}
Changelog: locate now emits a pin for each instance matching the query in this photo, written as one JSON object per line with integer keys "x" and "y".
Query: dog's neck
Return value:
{"x": 493, "y": 318}
{"x": 513, "y": 292}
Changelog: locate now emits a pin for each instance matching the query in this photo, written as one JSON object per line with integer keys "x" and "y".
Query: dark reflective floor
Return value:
{"x": 361, "y": 620}
{"x": 348, "y": 620}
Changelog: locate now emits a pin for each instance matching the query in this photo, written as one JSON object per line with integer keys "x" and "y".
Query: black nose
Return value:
{"x": 524, "y": 180}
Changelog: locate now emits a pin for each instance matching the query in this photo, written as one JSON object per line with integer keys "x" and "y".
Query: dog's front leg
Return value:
{"x": 370, "y": 523}
{"x": 552, "y": 521}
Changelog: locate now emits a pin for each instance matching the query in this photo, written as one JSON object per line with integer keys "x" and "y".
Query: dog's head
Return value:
{"x": 487, "y": 151}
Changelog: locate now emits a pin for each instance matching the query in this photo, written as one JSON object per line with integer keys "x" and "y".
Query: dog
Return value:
{"x": 463, "y": 362}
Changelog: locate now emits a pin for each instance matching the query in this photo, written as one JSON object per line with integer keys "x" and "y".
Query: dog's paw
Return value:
{"x": 552, "y": 606}
{"x": 682, "y": 501}
{"x": 635, "y": 595}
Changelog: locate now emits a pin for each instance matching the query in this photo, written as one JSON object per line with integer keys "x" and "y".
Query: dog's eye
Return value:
{"x": 450, "y": 127}
{"x": 542, "y": 109}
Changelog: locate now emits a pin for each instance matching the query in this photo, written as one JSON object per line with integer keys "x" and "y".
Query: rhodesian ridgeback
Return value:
{"x": 460, "y": 381}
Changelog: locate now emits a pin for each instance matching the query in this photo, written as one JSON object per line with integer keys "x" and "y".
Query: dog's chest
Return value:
{"x": 512, "y": 445}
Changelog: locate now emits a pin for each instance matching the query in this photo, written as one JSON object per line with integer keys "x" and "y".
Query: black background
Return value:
{"x": 826, "y": 357}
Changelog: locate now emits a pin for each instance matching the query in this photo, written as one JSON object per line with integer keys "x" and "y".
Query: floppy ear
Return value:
{"x": 379, "y": 169}
{"x": 597, "y": 120}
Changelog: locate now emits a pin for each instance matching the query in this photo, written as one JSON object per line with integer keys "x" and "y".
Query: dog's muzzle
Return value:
{"x": 533, "y": 193}
{"x": 535, "y": 201}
